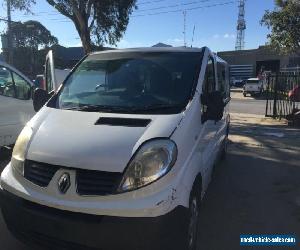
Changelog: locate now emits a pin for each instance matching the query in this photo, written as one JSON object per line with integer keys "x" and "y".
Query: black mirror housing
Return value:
{"x": 214, "y": 104}
{"x": 40, "y": 97}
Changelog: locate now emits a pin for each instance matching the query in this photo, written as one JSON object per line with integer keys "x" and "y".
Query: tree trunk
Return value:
{"x": 81, "y": 23}
{"x": 86, "y": 41}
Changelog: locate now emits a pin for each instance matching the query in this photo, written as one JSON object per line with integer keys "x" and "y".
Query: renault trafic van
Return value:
{"x": 121, "y": 155}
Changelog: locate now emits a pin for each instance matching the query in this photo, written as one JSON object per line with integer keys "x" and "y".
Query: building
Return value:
{"x": 66, "y": 57}
{"x": 159, "y": 45}
{"x": 249, "y": 63}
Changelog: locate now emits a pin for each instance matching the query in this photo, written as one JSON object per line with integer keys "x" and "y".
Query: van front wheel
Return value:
{"x": 193, "y": 219}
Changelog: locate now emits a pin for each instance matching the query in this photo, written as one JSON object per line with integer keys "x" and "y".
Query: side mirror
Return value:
{"x": 40, "y": 97}
{"x": 213, "y": 106}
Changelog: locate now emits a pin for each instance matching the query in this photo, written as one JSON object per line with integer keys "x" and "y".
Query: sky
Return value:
{"x": 215, "y": 23}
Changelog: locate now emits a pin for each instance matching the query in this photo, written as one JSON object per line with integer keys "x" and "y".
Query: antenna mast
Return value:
{"x": 241, "y": 27}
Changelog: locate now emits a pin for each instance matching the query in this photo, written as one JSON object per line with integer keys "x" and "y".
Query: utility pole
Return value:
{"x": 184, "y": 27}
{"x": 193, "y": 36}
{"x": 9, "y": 35}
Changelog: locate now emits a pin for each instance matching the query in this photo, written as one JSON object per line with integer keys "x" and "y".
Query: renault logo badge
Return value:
{"x": 64, "y": 183}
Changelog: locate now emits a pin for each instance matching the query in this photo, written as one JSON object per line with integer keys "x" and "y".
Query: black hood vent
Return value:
{"x": 123, "y": 122}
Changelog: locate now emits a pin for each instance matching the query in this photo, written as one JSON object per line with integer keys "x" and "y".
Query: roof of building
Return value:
{"x": 68, "y": 54}
{"x": 162, "y": 45}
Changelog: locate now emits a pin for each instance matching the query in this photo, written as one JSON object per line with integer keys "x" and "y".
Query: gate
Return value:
{"x": 282, "y": 94}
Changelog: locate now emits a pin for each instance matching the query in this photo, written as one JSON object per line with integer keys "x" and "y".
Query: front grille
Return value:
{"x": 39, "y": 173}
{"x": 91, "y": 182}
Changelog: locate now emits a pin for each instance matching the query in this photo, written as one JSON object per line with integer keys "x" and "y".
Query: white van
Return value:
{"x": 16, "y": 107}
{"x": 122, "y": 154}
{"x": 253, "y": 86}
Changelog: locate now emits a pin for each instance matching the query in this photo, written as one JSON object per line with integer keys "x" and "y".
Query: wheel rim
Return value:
{"x": 193, "y": 223}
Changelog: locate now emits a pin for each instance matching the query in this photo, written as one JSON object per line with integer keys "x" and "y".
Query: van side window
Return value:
{"x": 22, "y": 87}
{"x": 7, "y": 87}
{"x": 209, "y": 84}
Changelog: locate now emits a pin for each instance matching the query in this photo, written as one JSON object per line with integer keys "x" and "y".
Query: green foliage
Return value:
{"x": 23, "y": 5}
{"x": 284, "y": 23}
{"x": 32, "y": 40}
{"x": 97, "y": 21}
{"x": 32, "y": 34}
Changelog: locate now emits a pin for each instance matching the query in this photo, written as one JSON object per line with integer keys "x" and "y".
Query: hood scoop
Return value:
{"x": 123, "y": 122}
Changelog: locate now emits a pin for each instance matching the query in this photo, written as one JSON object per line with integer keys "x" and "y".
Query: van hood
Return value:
{"x": 75, "y": 139}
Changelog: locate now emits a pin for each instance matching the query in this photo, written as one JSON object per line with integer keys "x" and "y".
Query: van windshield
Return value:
{"x": 123, "y": 82}
{"x": 252, "y": 82}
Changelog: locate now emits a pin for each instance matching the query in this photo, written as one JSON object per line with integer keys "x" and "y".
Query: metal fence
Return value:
{"x": 282, "y": 94}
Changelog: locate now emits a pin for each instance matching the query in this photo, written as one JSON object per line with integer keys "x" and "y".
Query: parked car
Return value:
{"x": 15, "y": 103}
{"x": 39, "y": 82}
{"x": 253, "y": 86}
{"x": 16, "y": 106}
{"x": 294, "y": 94}
{"x": 238, "y": 83}
{"x": 121, "y": 156}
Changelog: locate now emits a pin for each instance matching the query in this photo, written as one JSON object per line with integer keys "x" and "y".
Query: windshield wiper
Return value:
{"x": 157, "y": 107}
{"x": 87, "y": 108}
{"x": 128, "y": 109}
{"x": 97, "y": 108}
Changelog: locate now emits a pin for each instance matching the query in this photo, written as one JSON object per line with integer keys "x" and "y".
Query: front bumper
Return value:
{"x": 251, "y": 91}
{"x": 154, "y": 200}
{"x": 58, "y": 229}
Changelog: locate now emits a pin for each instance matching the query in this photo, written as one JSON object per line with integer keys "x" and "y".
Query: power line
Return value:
{"x": 173, "y": 6}
{"x": 56, "y": 13}
{"x": 150, "y": 2}
{"x": 6, "y": 20}
{"x": 65, "y": 19}
{"x": 187, "y": 9}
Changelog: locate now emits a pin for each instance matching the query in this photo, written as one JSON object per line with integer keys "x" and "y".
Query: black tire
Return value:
{"x": 194, "y": 211}
{"x": 224, "y": 149}
{"x": 225, "y": 144}
{"x": 244, "y": 94}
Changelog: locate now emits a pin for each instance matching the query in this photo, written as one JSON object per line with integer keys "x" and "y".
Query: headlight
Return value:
{"x": 152, "y": 161}
{"x": 18, "y": 155}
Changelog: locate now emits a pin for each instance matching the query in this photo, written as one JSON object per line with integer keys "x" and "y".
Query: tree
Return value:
{"x": 23, "y": 5}
{"x": 31, "y": 40}
{"x": 284, "y": 23}
{"x": 97, "y": 21}
{"x": 32, "y": 34}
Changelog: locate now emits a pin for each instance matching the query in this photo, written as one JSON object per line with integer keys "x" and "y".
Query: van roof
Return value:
{"x": 152, "y": 49}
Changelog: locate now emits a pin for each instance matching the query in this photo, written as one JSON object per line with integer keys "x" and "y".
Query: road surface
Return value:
{"x": 246, "y": 105}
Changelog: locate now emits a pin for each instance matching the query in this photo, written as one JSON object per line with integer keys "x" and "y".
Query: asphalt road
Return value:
{"x": 247, "y": 105}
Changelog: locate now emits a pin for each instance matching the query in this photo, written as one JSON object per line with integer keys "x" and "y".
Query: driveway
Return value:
{"x": 257, "y": 189}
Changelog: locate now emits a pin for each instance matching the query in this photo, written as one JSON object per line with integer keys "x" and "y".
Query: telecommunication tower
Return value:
{"x": 241, "y": 27}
